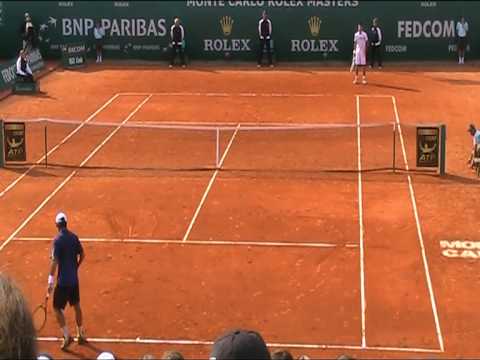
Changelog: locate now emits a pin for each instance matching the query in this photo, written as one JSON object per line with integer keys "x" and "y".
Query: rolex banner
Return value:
{"x": 14, "y": 141}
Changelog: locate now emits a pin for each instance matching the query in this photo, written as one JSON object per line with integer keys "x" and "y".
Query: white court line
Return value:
{"x": 361, "y": 228}
{"x": 209, "y": 186}
{"x": 419, "y": 229}
{"x": 198, "y": 242}
{"x": 72, "y": 174}
{"x": 140, "y": 340}
{"x": 63, "y": 141}
{"x": 224, "y": 94}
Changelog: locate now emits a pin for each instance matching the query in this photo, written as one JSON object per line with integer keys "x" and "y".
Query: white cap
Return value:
{"x": 106, "y": 356}
{"x": 60, "y": 218}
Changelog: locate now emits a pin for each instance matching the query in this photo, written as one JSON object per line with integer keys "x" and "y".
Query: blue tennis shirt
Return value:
{"x": 66, "y": 248}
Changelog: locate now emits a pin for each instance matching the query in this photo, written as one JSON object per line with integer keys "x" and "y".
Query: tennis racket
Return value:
{"x": 353, "y": 62}
{"x": 40, "y": 315}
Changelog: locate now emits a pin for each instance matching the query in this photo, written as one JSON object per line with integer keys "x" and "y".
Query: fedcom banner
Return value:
{"x": 310, "y": 30}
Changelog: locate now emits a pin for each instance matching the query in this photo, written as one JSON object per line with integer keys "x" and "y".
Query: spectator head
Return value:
{"x": 240, "y": 344}
{"x": 303, "y": 357}
{"x": 264, "y": 15}
{"x": 27, "y": 17}
{"x": 17, "y": 334}
{"x": 462, "y": 19}
{"x": 471, "y": 129}
{"x": 172, "y": 355}
{"x": 345, "y": 357}
{"x": 375, "y": 21}
{"x": 61, "y": 220}
{"x": 148, "y": 357}
{"x": 176, "y": 21}
{"x": 106, "y": 355}
{"x": 359, "y": 27}
{"x": 44, "y": 356}
{"x": 281, "y": 355}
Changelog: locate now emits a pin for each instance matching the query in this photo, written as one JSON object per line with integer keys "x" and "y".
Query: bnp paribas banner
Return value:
{"x": 309, "y": 30}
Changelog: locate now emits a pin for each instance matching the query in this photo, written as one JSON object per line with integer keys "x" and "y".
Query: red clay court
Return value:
{"x": 210, "y": 199}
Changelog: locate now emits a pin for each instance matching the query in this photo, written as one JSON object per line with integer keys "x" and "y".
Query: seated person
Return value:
{"x": 472, "y": 130}
{"x": 24, "y": 73}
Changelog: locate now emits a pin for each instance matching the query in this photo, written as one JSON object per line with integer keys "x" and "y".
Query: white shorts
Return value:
{"x": 360, "y": 58}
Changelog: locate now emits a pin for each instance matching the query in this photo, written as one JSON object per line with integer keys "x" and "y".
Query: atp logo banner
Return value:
{"x": 227, "y": 44}
{"x": 428, "y": 143}
{"x": 314, "y": 44}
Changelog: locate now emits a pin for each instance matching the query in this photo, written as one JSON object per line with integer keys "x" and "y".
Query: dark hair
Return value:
{"x": 281, "y": 355}
{"x": 172, "y": 355}
{"x": 17, "y": 333}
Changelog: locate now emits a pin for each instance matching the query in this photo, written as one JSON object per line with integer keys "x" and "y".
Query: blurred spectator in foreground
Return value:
{"x": 106, "y": 355}
{"x": 148, "y": 357}
{"x": 172, "y": 355}
{"x": 462, "y": 32}
{"x": 345, "y": 357}
{"x": 240, "y": 344}
{"x": 281, "y": 355}
{"x": 17, "y": 334}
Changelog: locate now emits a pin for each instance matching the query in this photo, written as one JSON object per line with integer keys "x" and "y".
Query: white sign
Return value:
{"x": 460, "y": 249}
{"x": 414, "y": 29}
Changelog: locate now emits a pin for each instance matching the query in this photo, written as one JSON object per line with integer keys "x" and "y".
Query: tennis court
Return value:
{"x": 234, "y": 199}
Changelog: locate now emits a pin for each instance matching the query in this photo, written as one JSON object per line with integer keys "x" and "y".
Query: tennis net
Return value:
{"x": 242, "y": 147}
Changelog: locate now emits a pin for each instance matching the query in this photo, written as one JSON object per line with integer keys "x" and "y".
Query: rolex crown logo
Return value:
{"x": 227, "y": 24}
{"x": 314, "y": 23}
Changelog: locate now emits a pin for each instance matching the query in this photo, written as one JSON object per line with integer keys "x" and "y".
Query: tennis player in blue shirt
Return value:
{"x": 67, "y": 255}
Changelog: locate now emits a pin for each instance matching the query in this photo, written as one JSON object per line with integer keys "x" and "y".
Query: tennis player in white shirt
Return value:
{"x": 360, "y": 41}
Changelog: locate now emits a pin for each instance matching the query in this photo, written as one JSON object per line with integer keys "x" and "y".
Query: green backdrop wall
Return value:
{"x": 302, "y": 30}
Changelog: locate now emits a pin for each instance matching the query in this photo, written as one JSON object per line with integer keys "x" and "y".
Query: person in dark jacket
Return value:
{"x": 376, "y": 43}
{"x": 177, "y": 35}
{"x": 28, "y": 33}
{"x": 265, "y": 35}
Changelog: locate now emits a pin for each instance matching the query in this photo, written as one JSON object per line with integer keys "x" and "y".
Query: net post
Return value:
{"x": 443, "y": 143}
{"x": 217, "y": 149}
{"x": 2, "y": 144}
{"x": 394, "y": 146}
{"x": 46, "y": 145}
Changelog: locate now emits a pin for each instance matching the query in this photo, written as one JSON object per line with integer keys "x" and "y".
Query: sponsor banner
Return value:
{"x": 270, "y": 4}
{"x": 74, "y": 55}
{"x": 428, "y": 143}
{"x": 215, "y": 29}
{"x": 15, "y": 142}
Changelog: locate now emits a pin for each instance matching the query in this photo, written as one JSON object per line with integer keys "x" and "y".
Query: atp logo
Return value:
{"x": 226, "y": 23}
{"x": 314, "y": 24}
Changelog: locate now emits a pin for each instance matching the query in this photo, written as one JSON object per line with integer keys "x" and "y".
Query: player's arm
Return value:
{"x": 53, "y": 270}
{"x": 81, "y": 254}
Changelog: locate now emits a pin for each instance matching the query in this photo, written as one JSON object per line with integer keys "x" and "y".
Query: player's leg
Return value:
{"x": 355, "y": 79}
{"x": 173, "y": 54}
{"x": 379, "y": 56}
{"x": 260, "y": 52}
{"x": 364, "y": 73}
{"x": 269, "y": 52}
{"x": 372, "y": 56}
{"x": 181, "y": 50}
{"x": 74, "y": 300}
{"x": 60, "y": 298}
